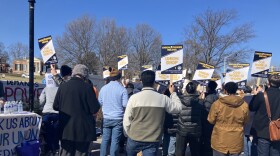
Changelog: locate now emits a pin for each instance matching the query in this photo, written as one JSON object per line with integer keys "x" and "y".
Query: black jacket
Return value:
{"x": 76, "y": 102}
{"x": 190, "y": 117}
{"x": 171, "y": 123}
{"x": 261, "y": 121}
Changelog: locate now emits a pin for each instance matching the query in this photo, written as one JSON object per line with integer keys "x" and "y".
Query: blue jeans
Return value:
{"x": 51, "y": 128}
{"x": 250, "y": 147}
{"x": 147, "y": 148}
{"x": 268, "y": 148}
{"x": 168, "y": 147}
{"x": 112, "y": 131}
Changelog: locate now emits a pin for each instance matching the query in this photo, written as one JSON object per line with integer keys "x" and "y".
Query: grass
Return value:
{"x": 17, "y": 77}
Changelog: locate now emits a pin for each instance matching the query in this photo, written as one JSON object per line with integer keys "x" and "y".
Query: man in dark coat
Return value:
{"x": 190, "y": 122}
{"x": 261, "y": 121}
{"x": 76, "y": 103}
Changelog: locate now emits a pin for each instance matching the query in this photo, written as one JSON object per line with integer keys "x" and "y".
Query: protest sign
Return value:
{"x": 47, "y": 50}
{"x": 273, "y": 73}
{"x": 238, "y": 73}
{"x": 146, "y": 67}
{"x": 162, "y": 78}
{"x": 17, "y": 128}
{"x": 122, "y": 62}
{"x": 261, "y": 64}
{"x": 106, "y": 72}
{"x": 171, "y": 59}
{"x": 18, "y": 90}
{"x": 203, "y": 71}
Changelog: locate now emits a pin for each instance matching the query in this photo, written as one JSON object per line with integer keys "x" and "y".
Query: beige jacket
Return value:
{"x": 228, "y": 114}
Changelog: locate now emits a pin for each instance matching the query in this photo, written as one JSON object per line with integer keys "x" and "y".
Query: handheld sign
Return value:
{"x": 162, "y": 79}
{"x": 146, "y": 67}
{"x": 122, "y": 62}
{"x": 171, "y": 59}
{"x": 106, "y": 72}
{"x": 261, "y": 64}
{"x": 273, "y": 73}
{"x": 238, "y": 73}
{"x": 203, "y": 71}
{"x": 47, "y": 50}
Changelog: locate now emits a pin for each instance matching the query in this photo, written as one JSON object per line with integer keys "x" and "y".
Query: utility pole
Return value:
{"x": 31, "y": 54}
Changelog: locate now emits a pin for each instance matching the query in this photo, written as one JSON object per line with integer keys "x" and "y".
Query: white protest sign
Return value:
{"x": 171, "y": 59}
{"x": 203, "y": 71}
{"x": 261, "y": 64}
{"x": 238, "y": 74}
{"x": 47, "y": 50}
{"x": 17, "y": 128}
{"x": 122, "y": 62}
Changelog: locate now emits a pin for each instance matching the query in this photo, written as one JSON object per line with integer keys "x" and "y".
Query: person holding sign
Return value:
{"x": 144, "y": 116}
{"x": 65, "y": 74}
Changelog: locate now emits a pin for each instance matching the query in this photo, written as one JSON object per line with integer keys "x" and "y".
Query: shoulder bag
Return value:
{"x": 274, "y": 125}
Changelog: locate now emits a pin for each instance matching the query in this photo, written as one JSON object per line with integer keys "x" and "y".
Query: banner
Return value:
{"x": 261, "y": 64}
{"x": 122, "y": 62}
{"x": 146, "y": 67}
{"x": 106, "y": 72}
{"x": 203, "y": 71}
{"x": 171, "y": 59}
{"x": 237, "y": 73}
{"x": 47, "y": 50}
{"x": 17, "y": 128}
{"x": 18, "y": 90}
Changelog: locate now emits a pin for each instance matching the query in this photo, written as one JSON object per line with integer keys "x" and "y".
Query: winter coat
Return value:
{"x": 171, "y": 123}
{"x": 76, "y": 103}
{"x": 229, "y": 115}
{"x": 190, "y": 117}
{"x": 261, "y": 121}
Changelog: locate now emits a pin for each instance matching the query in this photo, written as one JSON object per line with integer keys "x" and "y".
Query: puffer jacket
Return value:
{"x": 171, "y": 123}
{"x": 229, "y": 115}
{"x": 190, "y": 118}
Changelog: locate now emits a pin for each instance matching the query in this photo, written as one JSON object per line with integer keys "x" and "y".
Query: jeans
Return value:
{"x": 51, "y": 128}
{"x": 147, "y": 148}
{"x": 250, "y": 147}
{"x": 268, "y": 148}
{"x": 181, "y": 145}
{"x": 168, "y": 147}
{"x": 112, "y": 131}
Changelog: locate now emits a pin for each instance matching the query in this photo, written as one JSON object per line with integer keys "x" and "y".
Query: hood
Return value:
{"x": 232, "y": 101}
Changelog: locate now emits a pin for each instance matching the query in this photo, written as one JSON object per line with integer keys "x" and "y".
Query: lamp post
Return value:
{"x": 189, "y": 73}
{"x": 31, "y": 54}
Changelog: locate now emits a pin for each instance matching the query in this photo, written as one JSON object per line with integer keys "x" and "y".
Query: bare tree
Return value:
{"x": 77, "y": 43}
{"x": 145, "y": 46}
{"x": 211, "y": 38}
{"x": 17, "y": 51}
{"x": 3, "y": 53}
{"x": 112, "y": 41}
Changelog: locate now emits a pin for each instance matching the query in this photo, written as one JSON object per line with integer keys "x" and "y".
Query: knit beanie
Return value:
{"x": 81, "y": 70}
{"x": 65, "y": 70}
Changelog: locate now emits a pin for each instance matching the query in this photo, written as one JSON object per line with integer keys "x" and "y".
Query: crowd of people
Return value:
{"x": 137, "y": 117}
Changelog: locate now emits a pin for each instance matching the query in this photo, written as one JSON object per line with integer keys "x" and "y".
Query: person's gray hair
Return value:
{"x": 80, "y": 70}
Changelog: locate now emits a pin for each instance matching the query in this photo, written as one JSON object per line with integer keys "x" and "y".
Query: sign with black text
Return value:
{"x": 47, "y": 50}
{"x": 261, "y": 64}
{"x": 171, "y": 59}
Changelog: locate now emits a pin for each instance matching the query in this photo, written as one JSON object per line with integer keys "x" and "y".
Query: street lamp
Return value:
{"x": 31, "y": 54}
{"x": 189, "y": 73}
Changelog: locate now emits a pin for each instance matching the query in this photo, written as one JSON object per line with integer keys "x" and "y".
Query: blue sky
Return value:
{"x": 169, "y": 17}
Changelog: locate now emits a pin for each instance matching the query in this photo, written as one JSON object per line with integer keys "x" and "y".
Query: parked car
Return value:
{"x": 25, "y": 75}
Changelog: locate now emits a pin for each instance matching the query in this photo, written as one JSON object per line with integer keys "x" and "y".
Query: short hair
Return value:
{"x": 212, "y": 85}
{"x": 247, "y": 89}
{"x": 231, "y": 87}
{"x": 191, "y": 88}
{"x": 130, "y": 85}
{"x": 65, "y": 70}
{"x": 148, "y": 78}
{"x": 274, "y": 80}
